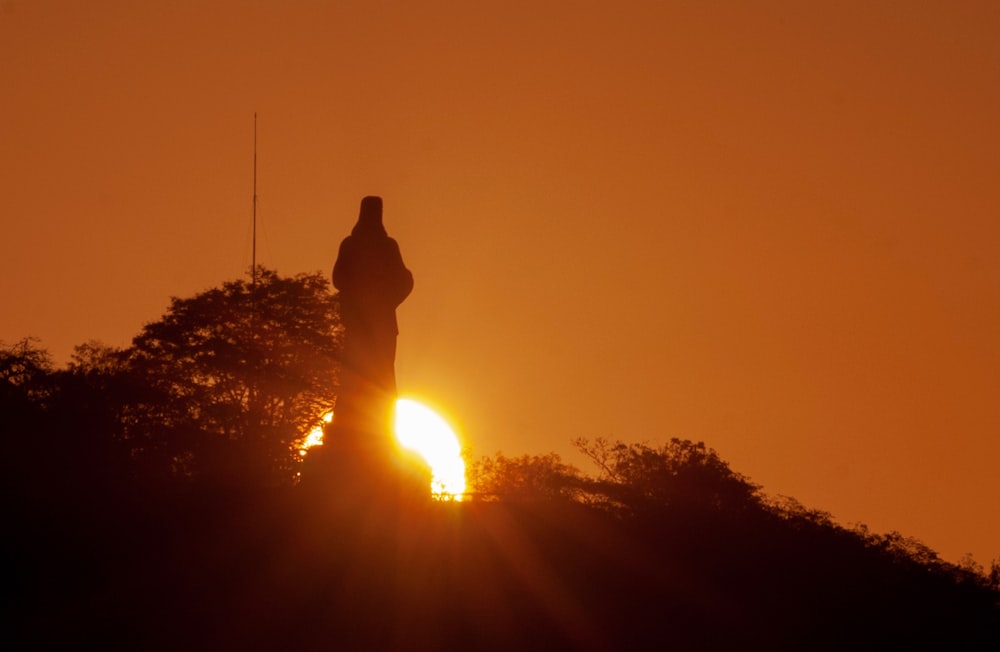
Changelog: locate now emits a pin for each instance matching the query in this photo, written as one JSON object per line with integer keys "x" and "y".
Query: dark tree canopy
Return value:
{"x": 24, "y": 371}
{"x": 26, "y": 391}
{"x": 680, "y": 474}
{"x": 664, "y": 547}
{"x": 631, "y": 478}
{"x": 235, "y": 377}
{"x": 528, "y": 477}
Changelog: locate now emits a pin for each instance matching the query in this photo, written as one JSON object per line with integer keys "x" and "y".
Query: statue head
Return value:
{"x": 370, "y": 217}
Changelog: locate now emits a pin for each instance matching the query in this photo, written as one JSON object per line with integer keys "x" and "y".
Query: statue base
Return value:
{"x": 354, "y": 466}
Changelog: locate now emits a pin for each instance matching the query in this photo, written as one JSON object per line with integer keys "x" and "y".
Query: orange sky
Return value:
{"x": 772, "y": 229}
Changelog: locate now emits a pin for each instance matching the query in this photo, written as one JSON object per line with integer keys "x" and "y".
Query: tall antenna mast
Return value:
{"x": 253, "y": 264}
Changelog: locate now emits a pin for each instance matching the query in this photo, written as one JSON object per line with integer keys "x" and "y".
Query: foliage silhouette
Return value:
{"x": 236, "y": 377}
{"x": 679, "y": 474}
{"x": 665, "y": 547}
{"x": 24, "y": 368}
{"x": 782, "y": 576}
{"x": 528, "y": 477}
{"x": 222, "y": 389}
{"x": 26, "y": 391}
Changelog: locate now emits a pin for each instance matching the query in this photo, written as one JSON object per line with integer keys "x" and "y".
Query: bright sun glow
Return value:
{"x": 315, "y": 437}
{"x": 420, "y": 429}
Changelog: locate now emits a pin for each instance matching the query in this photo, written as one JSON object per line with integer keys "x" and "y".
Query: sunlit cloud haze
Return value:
{"x": 769, "y": 226}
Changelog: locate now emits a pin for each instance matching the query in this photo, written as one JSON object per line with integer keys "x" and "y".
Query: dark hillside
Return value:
{"x": 128, "y": 526}
{"x": 273, "y": 570}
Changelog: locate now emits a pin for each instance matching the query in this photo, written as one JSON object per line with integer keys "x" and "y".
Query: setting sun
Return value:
{"x": 422, "y": 430}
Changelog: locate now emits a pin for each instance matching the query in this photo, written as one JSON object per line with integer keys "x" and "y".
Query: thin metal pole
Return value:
{"x": 253, "y": 263}
{"x": 252, "y": 380}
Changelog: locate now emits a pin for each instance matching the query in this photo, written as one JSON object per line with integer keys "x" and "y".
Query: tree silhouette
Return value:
{"x": 24, "y": 371}
{"x": 680, "y": 474}
{"x": 235, "y": 377}
{"x": 26, "y": 391}
{"x": 665, "y": 547}
{"x": 528, "y": 477}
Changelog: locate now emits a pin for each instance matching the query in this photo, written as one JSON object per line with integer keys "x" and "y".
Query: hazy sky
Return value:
{"x": 770, "y": 226}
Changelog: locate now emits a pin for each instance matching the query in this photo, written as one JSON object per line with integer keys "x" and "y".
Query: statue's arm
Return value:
{"x": 404, "y": 278}
{"x": 341, "y": 273}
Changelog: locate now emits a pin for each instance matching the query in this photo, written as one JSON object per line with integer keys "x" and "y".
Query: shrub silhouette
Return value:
{"x": 665, "y": 547}
{"x": 238, "y": 377}
{"x": 210, "y": 568}
{"x": 680, "y": 474}
{"x": 528, "y": 477}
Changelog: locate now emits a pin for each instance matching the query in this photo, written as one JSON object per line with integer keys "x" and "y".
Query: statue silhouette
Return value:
{"x": 372, "y": 281}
